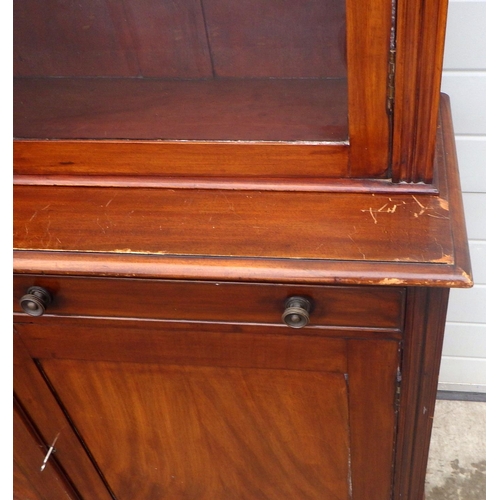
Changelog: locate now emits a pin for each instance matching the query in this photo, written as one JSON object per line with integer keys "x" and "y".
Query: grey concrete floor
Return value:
{"x": 457, "y": 458}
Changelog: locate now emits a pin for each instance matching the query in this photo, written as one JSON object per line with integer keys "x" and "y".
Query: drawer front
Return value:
{"x": 331, "y": 306}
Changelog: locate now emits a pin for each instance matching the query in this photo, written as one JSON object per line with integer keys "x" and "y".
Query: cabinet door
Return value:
{"x": 204, "y": 411}
{"x": 257, "y": 89}
{"x": 30, "y": 481}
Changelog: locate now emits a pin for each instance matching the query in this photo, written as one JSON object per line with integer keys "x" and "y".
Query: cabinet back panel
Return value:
{"x": 188, "y": 39}
{"x": 286, "y": 39}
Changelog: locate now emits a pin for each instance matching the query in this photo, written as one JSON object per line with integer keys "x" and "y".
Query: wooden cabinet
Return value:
{"x": 225, "y": 411}
{"x": 262, "y": 92}
{"x": 242, "y": 221}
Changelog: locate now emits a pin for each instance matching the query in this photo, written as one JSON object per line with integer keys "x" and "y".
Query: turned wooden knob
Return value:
{"x": 35, "y": 301}
{"x": 296, "y": 313}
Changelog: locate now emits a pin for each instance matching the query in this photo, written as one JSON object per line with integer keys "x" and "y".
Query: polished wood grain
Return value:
{"x": 70, "y": 38}
{"x": 158, "y": 40}
{"x": 249, "y": 270}
{"x": 224, "y": 401}
{"x": 325, "y": 226}
{"x": 152, "y": 109}
{"x": 194, "y": 432}
{"x": 419, "y": 61}
{"x": 221, "y": 345}
{"x": 42, "y": 408}
{"x": 372, "y": 373}
{"x": 110, "y": 39}
{"x": 168, "y": 38}
{"x": 369, "y": 25}
{"x": 183, "y": 167}
{"x": 422, "y": 352}
{"x": 222, "y": 234}
{"x": 29, "y": 452}
{"x": 180, "y": 162}
{"x": 131, "y": 51}
{"x": 361, "y": 307}
{"x": 446, "y": 152}
{"x": 297, "y": 184}
{"x": 189, "y": 39}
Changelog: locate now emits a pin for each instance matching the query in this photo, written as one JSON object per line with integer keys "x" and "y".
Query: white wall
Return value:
{"x": 463, "y": 366}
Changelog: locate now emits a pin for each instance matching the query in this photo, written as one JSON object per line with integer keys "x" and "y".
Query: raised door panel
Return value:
{"x": 188, "y": 432}
{"x": 202, "y": 411}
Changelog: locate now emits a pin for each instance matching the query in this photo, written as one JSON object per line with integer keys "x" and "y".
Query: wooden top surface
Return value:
{"x": 248, "y": 235}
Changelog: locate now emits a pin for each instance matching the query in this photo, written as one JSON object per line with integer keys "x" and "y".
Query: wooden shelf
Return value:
{"x": 234, "y": 109}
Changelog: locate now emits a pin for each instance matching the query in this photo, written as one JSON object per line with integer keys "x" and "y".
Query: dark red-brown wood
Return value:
{"x": 217, "y": 70}
{"x": 339, "y": 227}
{"x": 188, "y": 165}
{"x": 200, "y": 110}
{"x": 418, "y": 66}
{"x": 361, "y": 307}
{"x": 44, "y": 411}
{"x": 421, "y": 358}
{"x": 369, "y": 26}
{"x": 189, "y": 39}
{"x": 241, "y": 411}
{"x": 277, "y": 39}
{"x": 193, "y": 432}
{"x": 182, "y": 168}
{"x": 30, "y": 482}
{"x": 250, "y": 235}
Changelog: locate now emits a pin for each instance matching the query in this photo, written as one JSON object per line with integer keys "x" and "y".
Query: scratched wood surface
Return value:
{"x": 236, "y": 224}
{"x": 249, "y": 235}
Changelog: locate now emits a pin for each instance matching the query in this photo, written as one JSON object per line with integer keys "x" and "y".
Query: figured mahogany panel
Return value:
{"x": 184, "y": 432}
{"x": 233, "y": 407}
{"x": 366, "y": 307}
{"x": 50, "y": 421}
